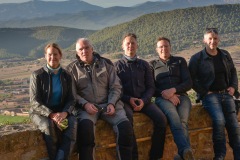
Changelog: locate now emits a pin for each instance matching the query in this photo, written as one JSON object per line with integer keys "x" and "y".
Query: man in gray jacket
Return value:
{"x": 97, "y": 90}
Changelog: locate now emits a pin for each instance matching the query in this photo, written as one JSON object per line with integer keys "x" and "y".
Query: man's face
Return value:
{"x": 211, "y": 40}
{"x": 53, "y": 57}
{"x": 163, "y": 49}
{"x": 84, "y": 51}
{"x": 129, "y": 46}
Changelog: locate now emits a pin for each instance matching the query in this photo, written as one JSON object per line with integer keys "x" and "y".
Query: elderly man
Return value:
{"x": 97, "y": 90}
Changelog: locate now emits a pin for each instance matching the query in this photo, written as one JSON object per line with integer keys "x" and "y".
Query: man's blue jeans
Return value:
{"x": 177, "y": 117}
{"x": 221, "y": 108}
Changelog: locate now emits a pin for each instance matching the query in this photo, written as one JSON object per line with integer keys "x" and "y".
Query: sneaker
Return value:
{"x": 187, "y": 154}
{"x": 218, "y": 158}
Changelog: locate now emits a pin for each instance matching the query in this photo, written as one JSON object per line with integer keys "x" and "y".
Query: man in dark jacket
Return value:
{"x": 172, "y": 81}
{"x": 138, "y": 89}
{"x": 215, "y": 81}
{"x": 97, "y": 90}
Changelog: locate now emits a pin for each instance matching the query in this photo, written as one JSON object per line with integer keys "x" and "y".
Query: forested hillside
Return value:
{"x": 184, "y": 27}
{"x": 29, "y": 42}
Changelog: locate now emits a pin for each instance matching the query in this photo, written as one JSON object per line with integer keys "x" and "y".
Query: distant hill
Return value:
{"x": 30, "y": 42}
{"x": 184, "y": 27}
{"x": 78, "y": 14}
{"x": 37, "y": 9}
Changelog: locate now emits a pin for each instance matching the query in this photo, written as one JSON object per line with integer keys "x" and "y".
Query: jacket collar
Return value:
{"x": 206, "y": 56}
{"x": 128, "y": 61}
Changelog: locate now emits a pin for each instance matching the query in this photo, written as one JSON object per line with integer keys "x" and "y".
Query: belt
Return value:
{"x": 221, "y": 91}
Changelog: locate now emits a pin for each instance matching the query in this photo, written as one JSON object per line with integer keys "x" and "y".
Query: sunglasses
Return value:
{"x": 212, "y": 30}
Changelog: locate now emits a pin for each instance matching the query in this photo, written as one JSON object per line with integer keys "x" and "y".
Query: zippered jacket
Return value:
{"x": 136, "y": 78}
{"x": 41, "y": 91}
{"x": 99, "y": 86}
{"x": 202, "y": 71}
{"x": 172, "y": 74}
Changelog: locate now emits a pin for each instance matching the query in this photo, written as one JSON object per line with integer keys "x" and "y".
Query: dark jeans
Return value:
{"x": 158, "y": 136}
{"x": 222, "y": 110}
{"x": 86, "y": 137}
{"x": 60, "y": 144}
{"x": 177, "y": 117}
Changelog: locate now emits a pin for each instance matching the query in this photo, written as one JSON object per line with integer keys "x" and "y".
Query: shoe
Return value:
{"x": 187, "y": 154}
{"x": 218, "y": 158}
{"x": 177, "y": 157}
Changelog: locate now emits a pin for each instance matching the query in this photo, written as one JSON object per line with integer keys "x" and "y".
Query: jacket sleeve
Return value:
{"x": 157, "y": 91}
{"x": 70, "y": 100}
{"x": 115, "y": 87}
{"x": 233, "y": 81}
{"x": 186, "y": 80}
{"x": 79, "y": 101}
{"x": 149, "y": 84}
{"x": 37, "y": 106}
{"x": 193, "y": 69}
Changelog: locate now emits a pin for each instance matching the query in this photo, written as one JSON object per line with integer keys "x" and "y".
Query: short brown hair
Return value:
{"x": 130, "y": 35}
{"x": 54, "y": 45}
{"x": 211, "y": 30}
{"x": 164, "y": 39}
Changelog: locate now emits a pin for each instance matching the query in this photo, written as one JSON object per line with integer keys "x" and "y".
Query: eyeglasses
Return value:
{"x": 212, "y": 30}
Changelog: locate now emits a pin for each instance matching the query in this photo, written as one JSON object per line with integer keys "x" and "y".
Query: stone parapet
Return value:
{"x": 24, "y": 142}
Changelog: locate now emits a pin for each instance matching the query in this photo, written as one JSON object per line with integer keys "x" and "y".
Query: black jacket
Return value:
{"x": 202, "y": 71}
{"x": 173, "y": 74}
{"x": 136, "y": 78}
{"x": 40, "y": 92}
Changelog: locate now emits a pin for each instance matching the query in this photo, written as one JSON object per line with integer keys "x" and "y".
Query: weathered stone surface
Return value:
{"x": 24, "y": 142}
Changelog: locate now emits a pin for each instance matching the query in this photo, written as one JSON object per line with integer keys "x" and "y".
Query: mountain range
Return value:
{"x": 184, "y": 27}
{"x": 81, "y": 15}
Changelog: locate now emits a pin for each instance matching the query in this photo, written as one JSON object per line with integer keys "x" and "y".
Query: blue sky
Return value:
{"x": 102, "y": 3}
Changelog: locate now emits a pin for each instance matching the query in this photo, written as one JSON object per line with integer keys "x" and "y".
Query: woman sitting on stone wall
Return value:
{"x": 52, "y": 104}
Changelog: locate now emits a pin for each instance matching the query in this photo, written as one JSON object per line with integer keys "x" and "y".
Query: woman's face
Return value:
{"x": 53, "y": 57}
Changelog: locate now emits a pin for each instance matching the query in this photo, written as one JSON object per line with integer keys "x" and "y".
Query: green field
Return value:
{"x": 6, "y": 120}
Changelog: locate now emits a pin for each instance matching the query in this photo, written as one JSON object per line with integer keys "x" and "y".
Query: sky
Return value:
{"x": 101, "y": 3}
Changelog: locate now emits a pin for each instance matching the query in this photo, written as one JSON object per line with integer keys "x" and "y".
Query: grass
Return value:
{"x": 8, "y": 120}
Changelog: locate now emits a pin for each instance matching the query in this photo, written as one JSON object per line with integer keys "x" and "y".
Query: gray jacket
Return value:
{"x": 101, "y": 86}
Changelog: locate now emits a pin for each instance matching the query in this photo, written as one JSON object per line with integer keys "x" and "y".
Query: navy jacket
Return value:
{"x": 202, "y": 71}
{"x": 136, "y": 78}
{"x": 173, "y": 74}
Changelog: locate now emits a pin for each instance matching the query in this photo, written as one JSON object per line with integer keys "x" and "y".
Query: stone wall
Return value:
{"x": 24, "y": 142}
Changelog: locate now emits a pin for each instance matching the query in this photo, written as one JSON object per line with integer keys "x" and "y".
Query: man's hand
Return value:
{"x": 110, "y": 110}
{"x": 175, "y": 100}
{"x": 231, "y": 91}
{"x": 90, "y": 108}
{"x": 137, "y": 104}
{"x": 168, "y": 93}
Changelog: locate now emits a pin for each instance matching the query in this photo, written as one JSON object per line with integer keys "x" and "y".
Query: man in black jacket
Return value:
{"x": 215, "y": 81}
{"x": 173, "y": 80}
{"x": 138, "y": 89}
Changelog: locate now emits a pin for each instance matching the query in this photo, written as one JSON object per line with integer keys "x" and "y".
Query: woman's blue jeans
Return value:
{"x": 221, "y": 108}
{"x": 177, "y": 117}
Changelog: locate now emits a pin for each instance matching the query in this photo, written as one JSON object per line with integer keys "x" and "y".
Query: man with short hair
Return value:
{"x": 138, "y": 89}
{"x": 97, "y": 90}
{"x": 172, "y": 81}
{"x": 215, "y": 81}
